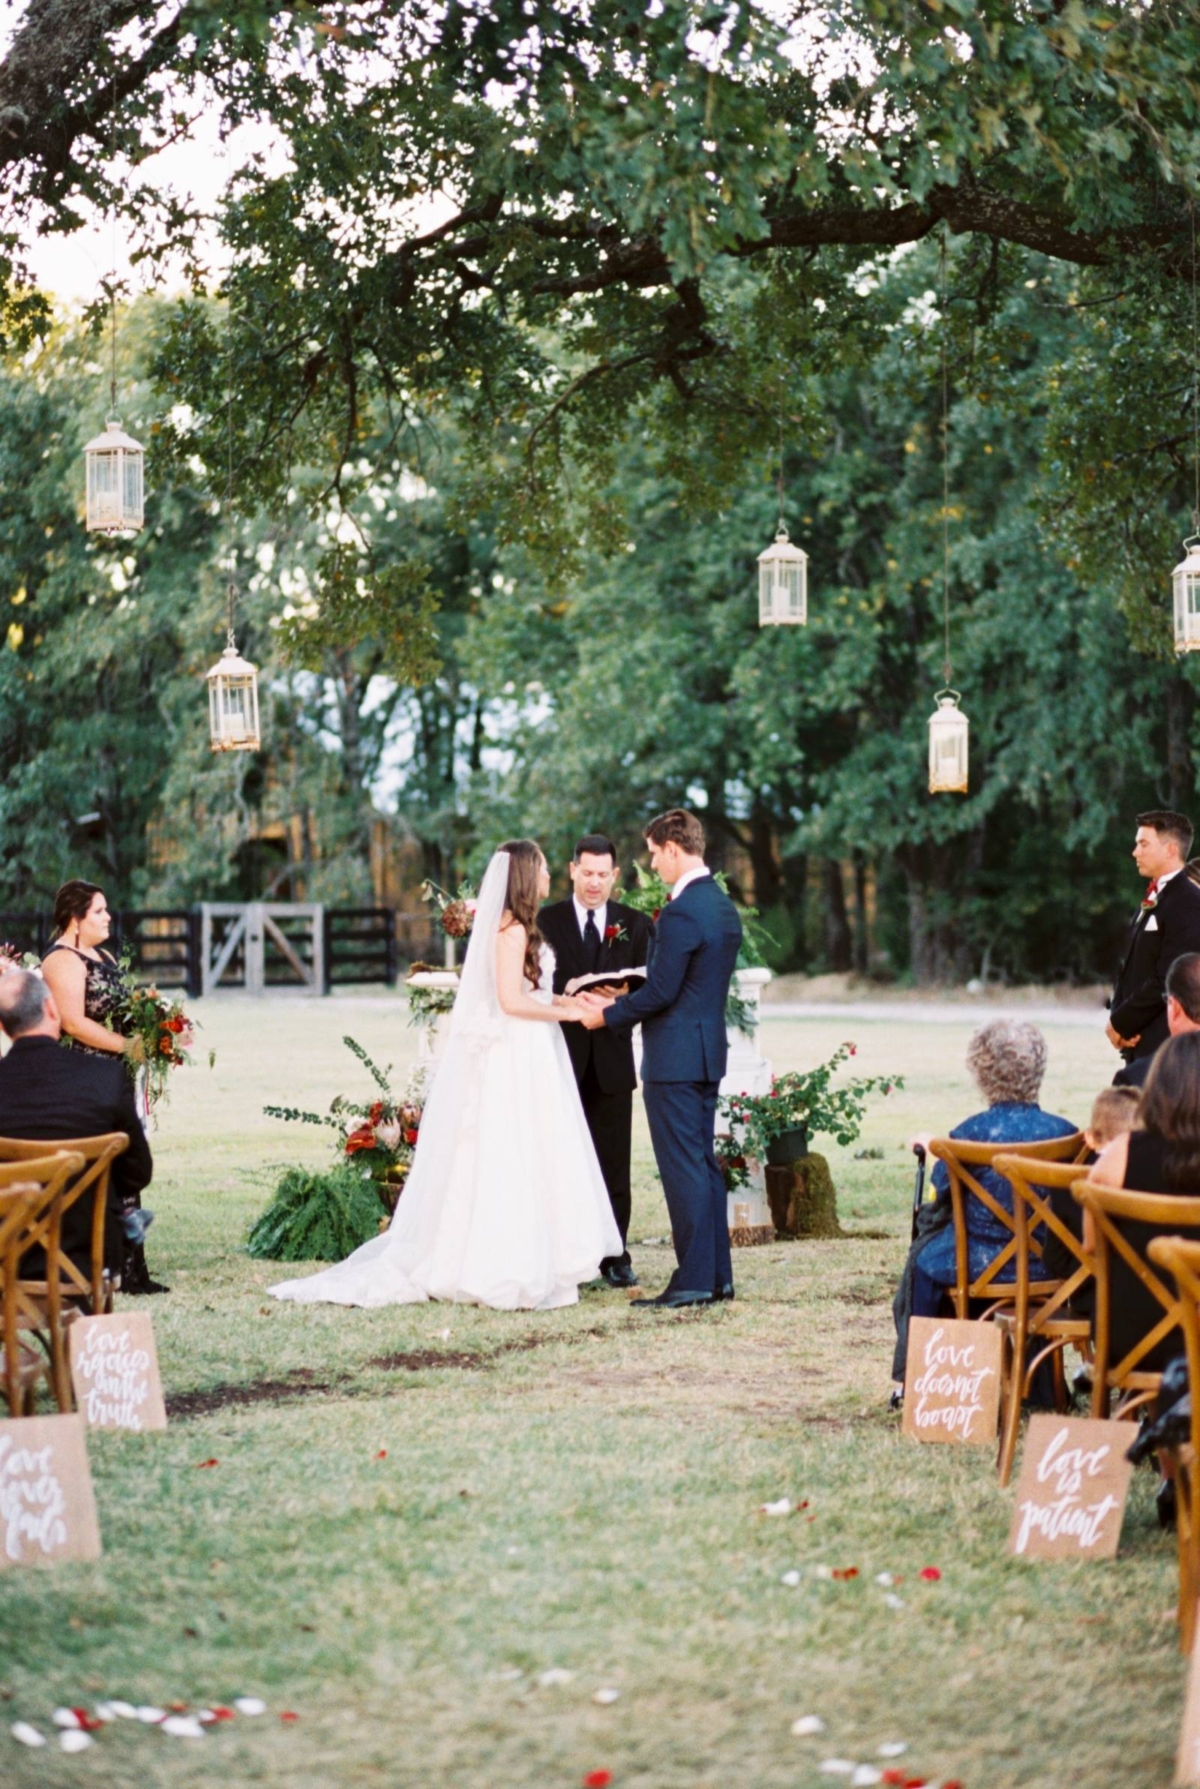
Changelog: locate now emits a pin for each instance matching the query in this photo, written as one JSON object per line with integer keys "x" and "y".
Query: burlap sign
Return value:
{"x": 952, "y": 1381}
{"x": 1187, "y": 1763}
{"x": 114, "y": 1370}
{"x": 1072, "y": 1489}
{"x": 47, "y": 1507}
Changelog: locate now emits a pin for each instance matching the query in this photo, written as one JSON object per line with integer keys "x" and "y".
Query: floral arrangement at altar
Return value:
{"x": 775, "y": 1126}
{"x": 456, "y": 913}
{"x": 428, "y": 1003}
{"x": 324, "y": 1214}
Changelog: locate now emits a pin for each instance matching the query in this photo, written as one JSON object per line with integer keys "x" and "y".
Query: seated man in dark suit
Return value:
{"x": 48, "y": 1092}
{"x": 1183, "y": 1014}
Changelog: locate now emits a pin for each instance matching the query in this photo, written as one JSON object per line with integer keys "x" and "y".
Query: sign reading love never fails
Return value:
{"x": 952, "y": 1381}
{"x": 47, "y": 1505}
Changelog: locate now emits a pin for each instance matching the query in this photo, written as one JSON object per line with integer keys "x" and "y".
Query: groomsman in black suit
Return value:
{"x": 590, "y": 934}
{"x": 1165, "y": 926}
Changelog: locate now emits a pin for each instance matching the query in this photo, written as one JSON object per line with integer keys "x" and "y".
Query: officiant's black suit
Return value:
{"x": 1139, "y": 999}
{"x": 602, "y": 1060}
{"x": 48, "y": 1092}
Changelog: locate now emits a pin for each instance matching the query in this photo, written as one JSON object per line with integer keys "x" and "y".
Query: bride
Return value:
{"x": 505, "y": 1204}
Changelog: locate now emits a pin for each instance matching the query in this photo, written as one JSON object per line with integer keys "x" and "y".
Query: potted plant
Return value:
{"x": 775, "y": 1127}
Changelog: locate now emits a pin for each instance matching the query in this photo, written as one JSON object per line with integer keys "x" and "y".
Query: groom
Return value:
{"x": 681, "y": 1008}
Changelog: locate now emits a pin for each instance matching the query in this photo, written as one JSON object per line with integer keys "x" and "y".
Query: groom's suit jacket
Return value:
{"x": 610, "y": 1053}
{"x": 1156, "y": 938}
{"x": 681, "y": 1006}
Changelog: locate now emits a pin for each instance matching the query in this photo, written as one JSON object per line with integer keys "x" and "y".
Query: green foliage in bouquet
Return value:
{"x": 316, "y": 1214}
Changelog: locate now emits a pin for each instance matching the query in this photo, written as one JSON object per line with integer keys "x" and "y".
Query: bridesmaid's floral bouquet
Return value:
{"x": 159, "y": 1031}
{"x": 12, "y": 958}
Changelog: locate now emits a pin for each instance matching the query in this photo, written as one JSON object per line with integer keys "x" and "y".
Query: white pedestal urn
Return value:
{"x": 748, "y": 1072}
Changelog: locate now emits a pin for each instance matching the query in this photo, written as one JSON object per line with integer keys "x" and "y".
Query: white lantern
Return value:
{"x": 114, "y": 481}
{"x": 1185, "y": 580}
{"x": 233, "y": 703}
{"x": 948, "y": 728}
{"x": 782, "y": 584}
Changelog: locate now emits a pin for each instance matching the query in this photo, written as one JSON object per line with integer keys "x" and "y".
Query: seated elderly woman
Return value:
{"x": 1007, "y": 1059}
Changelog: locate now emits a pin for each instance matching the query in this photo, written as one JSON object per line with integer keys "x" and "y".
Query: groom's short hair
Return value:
{"x": 678, "y": 827}
{"x": 596, "y": 845}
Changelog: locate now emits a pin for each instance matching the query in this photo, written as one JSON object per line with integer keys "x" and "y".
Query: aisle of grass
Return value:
{"x": 431, "y": 1506}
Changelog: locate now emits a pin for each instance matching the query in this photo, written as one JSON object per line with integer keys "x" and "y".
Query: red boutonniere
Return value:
{"x": 1150, "y": 905}
{"x": 615, "y": 935}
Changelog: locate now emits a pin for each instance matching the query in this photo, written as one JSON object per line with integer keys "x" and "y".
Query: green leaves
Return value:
{"x": 391, "y": 610}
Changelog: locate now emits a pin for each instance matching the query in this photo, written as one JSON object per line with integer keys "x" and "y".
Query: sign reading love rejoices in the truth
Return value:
{"x": 1072, "y": 1489}
{"x": 114, "y": 1370}
{"x": 47, "y": 1507}
{"x": 952, "y": 1381}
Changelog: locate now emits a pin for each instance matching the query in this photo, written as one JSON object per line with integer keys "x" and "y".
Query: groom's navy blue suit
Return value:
{"x": 681, "y": 1007}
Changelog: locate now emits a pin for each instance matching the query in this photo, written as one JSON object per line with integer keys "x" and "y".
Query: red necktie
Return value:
{"x": 1151, "y": 891}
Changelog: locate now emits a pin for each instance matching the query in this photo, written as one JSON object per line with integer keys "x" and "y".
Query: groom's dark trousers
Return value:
{"x": 681, "y": 1008}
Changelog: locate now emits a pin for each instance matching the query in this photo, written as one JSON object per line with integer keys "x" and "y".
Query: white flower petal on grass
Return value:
{"x": 151, "y": 1715}
{"x": 26, "y": 1735}
{"x": 124, "y": 1711}
{"x": 73, "y": 1739}
{"x": 782, "y": 1508}
{"x": 822, "y": 1571}
{"x": 791, "y": 1579}
{"x": 838, "y": 1767}
{"x": 250, "y": 1705}
{"x": 205, "y": 1714}
{"x": 892, "y": 1748}
{"x": 887, "y": 1579}
{"x": 183, "y": 1726}
{"x": 893, "y": 1601}
{"x": 65, "y": 1717}
{"x": 554, "y": 1677}
{"x": 865, "y": 1775}
{"x": 606, "y": 1697}
{"x": 808, "y": 1723}
{"x": 106, "y": 1711}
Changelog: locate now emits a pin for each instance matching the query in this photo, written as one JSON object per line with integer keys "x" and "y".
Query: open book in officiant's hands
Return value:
{"x": 604, "y": 981}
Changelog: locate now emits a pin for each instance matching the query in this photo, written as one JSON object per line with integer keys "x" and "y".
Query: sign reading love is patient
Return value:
{"x": 114, "y": 1370}
{"x": 952, "y": 1381}
{"x": 1072, "y": 1489}
{"x": 47, "y": 1507}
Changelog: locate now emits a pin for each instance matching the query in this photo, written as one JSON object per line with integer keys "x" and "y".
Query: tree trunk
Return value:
{"x": 1181, "y": 770}
{"x": 862, "y": 922}
{"x": 837, "y": 925}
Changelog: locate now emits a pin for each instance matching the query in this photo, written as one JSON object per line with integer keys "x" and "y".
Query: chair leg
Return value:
{"x": 1011, "y": 1421}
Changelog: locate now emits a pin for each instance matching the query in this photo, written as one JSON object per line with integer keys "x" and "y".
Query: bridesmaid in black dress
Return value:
{"x": 86, "y": 984}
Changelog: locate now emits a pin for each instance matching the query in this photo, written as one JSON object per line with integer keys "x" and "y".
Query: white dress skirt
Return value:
{"x": 505, "y": 1204}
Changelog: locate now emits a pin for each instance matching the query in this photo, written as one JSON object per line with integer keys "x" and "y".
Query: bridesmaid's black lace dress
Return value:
{"x": 102, "y": 998}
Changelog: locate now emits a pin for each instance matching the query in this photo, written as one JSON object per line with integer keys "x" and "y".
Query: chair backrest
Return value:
{"x": 21, "y": 1207}
{"x": 1181, "y": 1259}
{"x": 1035, "y": 1221}
{"x": 98, "y": 1155}
{"x": 40, "y": 1228}
{"x": 1111, "y": 1209}
{"x": 960, "y": 1158}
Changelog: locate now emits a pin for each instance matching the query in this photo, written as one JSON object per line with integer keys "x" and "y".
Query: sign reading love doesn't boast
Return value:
{"x": 47, "y": 1506}
{"x": 1072, "y": 1489}
{"x": 952, "y": 1381}
{"x": 114, "y": 1370}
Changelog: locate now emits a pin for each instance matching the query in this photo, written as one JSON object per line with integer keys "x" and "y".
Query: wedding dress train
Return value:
{"x": 505, "y": 1204}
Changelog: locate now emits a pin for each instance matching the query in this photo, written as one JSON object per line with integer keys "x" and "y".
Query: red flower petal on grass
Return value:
{"x": 893, "y": 1776}
{"x": 845, "y": 1571}
{"x": 222, "y": 1714}
{"x": 288, "y": 1715}
{"x": 915, "y": 1782}
{"x": 88, "y": 1722}
{"x": 201, "y": 1464}
{"x": 382, "y": 1454}
{"x": 930, "y": 1574}
{"x": 597, "y": 1779}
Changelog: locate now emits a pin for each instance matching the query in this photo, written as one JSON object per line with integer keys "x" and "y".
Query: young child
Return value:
{"x": 1114, "y": 1112}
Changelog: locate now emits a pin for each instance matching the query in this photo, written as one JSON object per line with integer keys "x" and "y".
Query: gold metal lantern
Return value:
{"x": 233, "y": 703}
{"x": 1185, "y": 584}
{"x": 782, "y": 584}
{"x": 948, "y": 730}
{"x": 114, "y": 481}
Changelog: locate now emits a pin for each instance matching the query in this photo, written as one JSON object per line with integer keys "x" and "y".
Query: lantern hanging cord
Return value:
{"x": 230, "y": 545}
{"x": 945, "y": 471}
{"x": 1195, "y": 390}
{"x": 780, "y": 482}
{"x": 112, "y": 221}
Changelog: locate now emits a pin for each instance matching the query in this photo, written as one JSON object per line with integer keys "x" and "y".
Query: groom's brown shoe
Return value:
{"x": 673, "y": 1301}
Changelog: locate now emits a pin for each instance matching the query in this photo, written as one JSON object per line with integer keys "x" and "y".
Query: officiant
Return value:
{"x": 591, "y": 934}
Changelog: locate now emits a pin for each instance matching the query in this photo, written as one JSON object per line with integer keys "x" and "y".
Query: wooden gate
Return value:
{"x": 256, "y": 946}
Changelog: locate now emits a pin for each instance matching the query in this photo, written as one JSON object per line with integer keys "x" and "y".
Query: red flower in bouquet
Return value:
{"x": 376, "y": 1113}
{"x": 410, "y": 1136}
{"x": 362, "y": 1138}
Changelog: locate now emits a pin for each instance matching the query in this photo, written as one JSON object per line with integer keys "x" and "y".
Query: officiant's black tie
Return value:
{"x": 591, "y": 941}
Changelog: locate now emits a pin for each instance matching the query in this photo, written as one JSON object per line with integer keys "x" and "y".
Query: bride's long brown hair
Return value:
{"x": 522, "y": 900}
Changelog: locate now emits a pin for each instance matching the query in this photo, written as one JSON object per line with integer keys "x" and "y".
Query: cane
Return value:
{"x": 918, "y": 1186}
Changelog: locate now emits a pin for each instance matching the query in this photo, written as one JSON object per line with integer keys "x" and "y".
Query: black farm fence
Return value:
{"x": 360, "y": 945}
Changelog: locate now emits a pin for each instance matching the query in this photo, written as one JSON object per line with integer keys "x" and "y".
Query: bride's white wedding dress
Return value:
{"x": 505, "y": 1204}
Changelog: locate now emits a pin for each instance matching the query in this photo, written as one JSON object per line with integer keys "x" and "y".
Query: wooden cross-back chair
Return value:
{"x": 37, "y": 1305}
{"x": 1182, "y": 1261}
{"x": 960, "y": 1159}
{"x": 99, "y": 1154}
{"x": 23, "y": 1367}
{"x": 1038, "y": 1319}
{"x": 1169, "y": 1213}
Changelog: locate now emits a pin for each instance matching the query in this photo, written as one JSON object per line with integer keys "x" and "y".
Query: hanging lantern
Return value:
{"x": 233, "y": 703}
{"x": 948, "y": 728}
{"x": 114, "y": 481}
{"x": 782, "y": 584}
{"x": 1185, "y": 581}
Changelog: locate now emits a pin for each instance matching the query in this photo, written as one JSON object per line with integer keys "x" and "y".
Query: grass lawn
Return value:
{"x": 576, "y": 1489}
